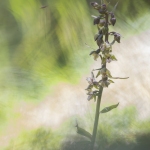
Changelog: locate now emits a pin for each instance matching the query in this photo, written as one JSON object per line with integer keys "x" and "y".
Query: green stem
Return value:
{"x": 96, "y": 117}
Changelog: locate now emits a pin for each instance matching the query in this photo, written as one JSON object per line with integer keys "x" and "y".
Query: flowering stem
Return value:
{"x": 99, "y": 97}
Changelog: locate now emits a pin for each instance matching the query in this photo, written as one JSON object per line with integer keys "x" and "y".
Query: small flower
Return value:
{"x": 112, "y": 19}
{"x": 95, "y": 5}
{"x": 103, "y": 71}
{"x": 91, "y": 80}
{"x": 96, "y": 20}
{"x": 102, "y": 22}
{"x": 117, "y": 36}
{"x": 91, "y": 95}
{"x": 103, "y": 9}
{"x": 95, "y": 54}
{"x": 106, "y": 46}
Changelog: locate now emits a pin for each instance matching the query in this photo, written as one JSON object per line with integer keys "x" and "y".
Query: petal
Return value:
{"x": 89, "y": 80}
{"x": 96, "y": 56}
{"x": 90, "y": 97}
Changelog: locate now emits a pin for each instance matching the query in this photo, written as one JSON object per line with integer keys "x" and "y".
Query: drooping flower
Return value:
{"x": 95, "y": 54}
{"x": 95, "y": 5}
{"x": 96, "y": 20}
{"x": 92, "y": 81}
{"x": 112, "y": 19}
{"x": 91, "y": 95}
{"x": 117, "y": 36}
{"x": 103, "y": 9}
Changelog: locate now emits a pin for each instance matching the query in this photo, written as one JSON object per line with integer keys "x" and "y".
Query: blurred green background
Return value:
{"x": 45, "y": 48}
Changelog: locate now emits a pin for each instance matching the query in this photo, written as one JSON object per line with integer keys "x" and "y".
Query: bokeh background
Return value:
{"x": 44, "y": 64}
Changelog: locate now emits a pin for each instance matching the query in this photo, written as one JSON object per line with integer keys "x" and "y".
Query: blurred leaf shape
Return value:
{"x": 83, "y": 132}
{"x": 107, "y": 109}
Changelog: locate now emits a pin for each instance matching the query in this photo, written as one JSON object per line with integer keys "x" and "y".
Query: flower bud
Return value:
{"x": 103, "y": 9}
{"x": 95, "y": 5}
{"x": 96, "y": 20}
{"x": 112, "y": 19}
{"x": 117, "y": 37}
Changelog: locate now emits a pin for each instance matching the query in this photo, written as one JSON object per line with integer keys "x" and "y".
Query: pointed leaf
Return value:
{"x": 83, "y": 132}
{"x": 113, "y": 57}
{"x": 111, "y": 81}
{"x": 108, "y": 73}
{"x": 107, "y": 109}
{"x": 98, "y": 74}
{"x": 115, "y": 7}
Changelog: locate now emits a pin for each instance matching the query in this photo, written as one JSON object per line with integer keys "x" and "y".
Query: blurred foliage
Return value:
{"x": 123, "y": 132}
{"x": 118, "y": 130}
{"x": 40, "y": 139}
{"x": 42, "y": 47}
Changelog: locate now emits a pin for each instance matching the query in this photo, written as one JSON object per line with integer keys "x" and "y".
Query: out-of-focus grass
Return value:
{"x": 39, "y": 139}
{"x": 119, "y": 129}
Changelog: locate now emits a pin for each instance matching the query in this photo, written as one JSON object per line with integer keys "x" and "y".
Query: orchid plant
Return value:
{"x": 104, "y": 53}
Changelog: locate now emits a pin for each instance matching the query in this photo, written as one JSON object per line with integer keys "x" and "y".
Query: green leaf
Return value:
{"x": 98, "y": 74}
{"x": 107, "y": 109}
{"x": 111, "y": 81}
{"x": 108, "y": 73}
{"x": 115, "y": 7}
{"x": 83, "y": 132}
{"x": 113, "y": 57}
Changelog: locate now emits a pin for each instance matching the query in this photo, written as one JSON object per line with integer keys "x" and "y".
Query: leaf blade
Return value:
{"x": 107, "y": 109}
